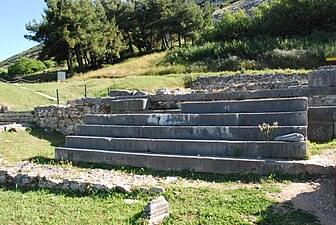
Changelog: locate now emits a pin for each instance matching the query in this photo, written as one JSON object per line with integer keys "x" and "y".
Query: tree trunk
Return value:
{"x": 79, "y": 57}
{"x": 179, "y": 40}
{"x": 165, "y": 40}
{"x": 69, "y": 61}
{"x": 86, "y": 60}
{"x": 163, "y": 44}
{"x": 130, "y": 43}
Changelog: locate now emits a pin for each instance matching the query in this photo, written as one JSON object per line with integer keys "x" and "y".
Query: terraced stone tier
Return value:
{"x": 268, "y": 149}
{"x": 212, "y": 119}
{"x": 247, "y": 106}
{"x": 165, "y": 162}
{"x": 234, "y": 133}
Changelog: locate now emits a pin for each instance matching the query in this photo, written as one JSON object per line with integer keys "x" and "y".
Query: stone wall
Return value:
{"x": 65, "y": 118}
{"x": 245, "y": 82}
{"x": 16, "y": 117}
{"x": 61, "y": 118}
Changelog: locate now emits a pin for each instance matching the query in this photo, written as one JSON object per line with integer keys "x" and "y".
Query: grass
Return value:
{"x": 20, "y": 99}
{"x": 16, "y": 147}
{"x": 74, "y": 88}
{"x": 316, "y": 148}
{"x": 138, "y": 66}
{"x": 187, "y": 206}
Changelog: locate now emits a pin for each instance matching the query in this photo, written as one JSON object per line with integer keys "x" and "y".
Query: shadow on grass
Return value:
{"x": 55, "y": 138}
{"x": 285, "y": 213}
{"x": 320, "y": 200}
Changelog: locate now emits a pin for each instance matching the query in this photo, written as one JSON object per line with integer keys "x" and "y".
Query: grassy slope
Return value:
{"x": 20, "y": 99}
{"x": 141, "y": 73}
{"x": 74, "y": 88}
{"x": 16, "y": 147}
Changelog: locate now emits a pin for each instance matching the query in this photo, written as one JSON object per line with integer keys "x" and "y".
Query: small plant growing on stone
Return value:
{"x": 268, "y": 131}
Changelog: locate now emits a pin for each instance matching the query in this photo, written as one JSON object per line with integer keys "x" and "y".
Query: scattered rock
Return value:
{"x": 144, "y": 189}
{"x": 1, "y": 159}
{"x": 140, "y": 93}
{"x": 130, "y": 201}
{"x": 156, "y": 210}
{"x": 124, "y": 188}
{"x": 330, "y": 67}
{"x": 155, "y": 190}
{"x": 12, "y": 128}
{"x": 163, "y": 91}
{"x": 115, "y": 93}
{"x": 294, "y": 137}
{"x": 4, "y": 109}
{"x": 171, "y": 179}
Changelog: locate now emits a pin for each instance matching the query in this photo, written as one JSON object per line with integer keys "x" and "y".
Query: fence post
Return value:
{"x": 57, "y": 96}
{"x": 85, "y": 94}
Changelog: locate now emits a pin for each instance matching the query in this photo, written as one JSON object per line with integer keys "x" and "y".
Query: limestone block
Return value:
{"x": 156, "y": 210}
{"x": 294, "y": 137}
{"x": 163, "y": 92}
{"x": 322, "y": 78}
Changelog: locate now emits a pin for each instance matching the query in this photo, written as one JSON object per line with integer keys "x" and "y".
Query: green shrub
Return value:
{"x": 24, "y": 66}
{"x": 50, "y": 64}
{"x": 294, "y": 59}
{"x": 3, "y": 73}
{"x": 188, "y": 80}
{"x": 257, "y": 53}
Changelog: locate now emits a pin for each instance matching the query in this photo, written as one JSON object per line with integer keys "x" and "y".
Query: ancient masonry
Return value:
{"x": 202, "y": 136}
{"x": 201, "y": 131}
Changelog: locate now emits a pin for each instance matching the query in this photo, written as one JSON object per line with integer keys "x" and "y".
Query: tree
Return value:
{"x": 76, "y": 27}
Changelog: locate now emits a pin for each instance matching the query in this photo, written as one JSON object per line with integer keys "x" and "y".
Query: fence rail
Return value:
{"x": 18, "y": 80}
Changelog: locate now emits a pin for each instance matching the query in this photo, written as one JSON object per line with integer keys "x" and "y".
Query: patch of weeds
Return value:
{"x": 268, "y": 131}
{"x": 188, "y": 80}
{"x": 316, "y": 148}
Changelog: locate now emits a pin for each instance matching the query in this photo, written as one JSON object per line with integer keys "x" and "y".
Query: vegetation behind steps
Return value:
{"x": 279, "y": 34}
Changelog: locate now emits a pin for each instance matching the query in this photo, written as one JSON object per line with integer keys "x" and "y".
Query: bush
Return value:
{"x": 294, "y": 59}
{"x": 3, "y": 73}
{"x": 50, "y": 64}
{"x": 25, "y": 66}
{"x": 188, "y": 80}
{"x": 257, "y": 53}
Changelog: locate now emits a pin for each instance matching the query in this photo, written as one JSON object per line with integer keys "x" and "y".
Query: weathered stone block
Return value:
{"x": 156, "y": 210}
{"x": 322, "y": 78}
{"x": 114, "y": 93}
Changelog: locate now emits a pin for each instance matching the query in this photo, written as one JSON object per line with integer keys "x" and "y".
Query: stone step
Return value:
{"x": 268, "y": 149}
{"x": 247, "y": 106}
{"x": 236, "y": 133}
{"x": 219, "y": 165}
{"x": 219, "y": 119}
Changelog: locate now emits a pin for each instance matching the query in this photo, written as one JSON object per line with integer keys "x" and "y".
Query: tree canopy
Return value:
{"x": 92, "y": 33}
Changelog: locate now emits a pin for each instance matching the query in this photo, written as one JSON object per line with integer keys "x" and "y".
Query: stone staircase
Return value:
{"x": 217, "y": 136}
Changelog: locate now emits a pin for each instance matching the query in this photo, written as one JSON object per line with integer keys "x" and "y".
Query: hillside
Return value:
{"x": 232, "y": 5}
{"x": 31, "y": 53}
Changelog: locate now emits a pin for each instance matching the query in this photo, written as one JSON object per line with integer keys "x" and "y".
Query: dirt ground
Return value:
{"x": 317, "y": 197}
